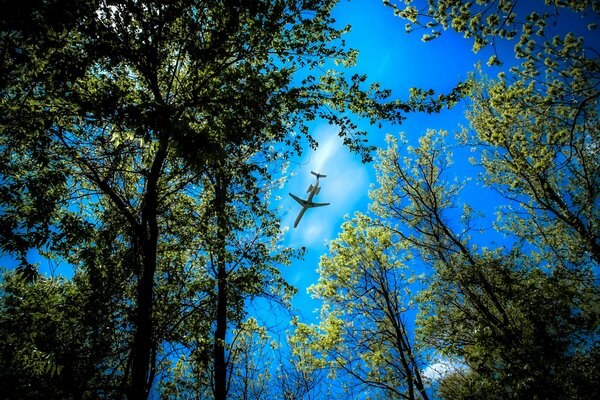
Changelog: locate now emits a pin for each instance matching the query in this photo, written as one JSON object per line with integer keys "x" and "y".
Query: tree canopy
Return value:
{"x": 141, "y": 143}
{"x": 509, "y": 307}
{"x": 119, "y": 119}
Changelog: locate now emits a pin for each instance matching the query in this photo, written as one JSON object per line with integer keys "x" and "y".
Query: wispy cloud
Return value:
{"x": 344, "y": 187}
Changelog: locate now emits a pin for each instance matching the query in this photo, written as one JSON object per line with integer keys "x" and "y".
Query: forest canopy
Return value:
{"x": 143, "y": 143}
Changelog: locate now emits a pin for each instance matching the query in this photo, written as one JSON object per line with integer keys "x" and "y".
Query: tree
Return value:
{"x": 541, "y": 156}
{"x": 302, "y": 371}
{"x": 514, "y": 322}
{"x": 488, "y": 22}
{"x": 529, "y": 302}
{"x": 537, "y": 30}
{"x": 251, "y": 361}
{"x": 363, "y": 336}
{"x": 120, "y": 107}
{"x": 54, "y": 344}
{"x": 239, "y": 235}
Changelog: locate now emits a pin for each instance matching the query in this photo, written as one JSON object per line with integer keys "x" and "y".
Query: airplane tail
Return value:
{"x": 317, "y": 174}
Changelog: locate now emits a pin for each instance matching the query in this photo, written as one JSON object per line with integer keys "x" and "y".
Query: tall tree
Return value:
{"x": 364, "y": 286}
{"x": 240, "y": 238}
{"x": 535, "y": 133}
{"x": 512, "y": 320}
{"x": 541, "y": 154}
{"x": 118, "y": 107}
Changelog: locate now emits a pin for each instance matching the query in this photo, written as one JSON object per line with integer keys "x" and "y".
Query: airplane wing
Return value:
{"x": 299, "y": 200}
{"x": 311, "y": 204}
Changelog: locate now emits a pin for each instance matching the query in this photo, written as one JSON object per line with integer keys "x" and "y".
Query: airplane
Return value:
{"x": 308, "y": 203}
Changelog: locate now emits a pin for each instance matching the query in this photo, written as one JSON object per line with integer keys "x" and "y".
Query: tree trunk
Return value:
{"x": 221, "y": 317}
{"x": 144, "y": 327}
{"x": 142, "y": 344}
{"x": 220, "y": 331}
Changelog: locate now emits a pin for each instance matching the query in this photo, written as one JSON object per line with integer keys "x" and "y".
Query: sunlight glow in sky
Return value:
{"x": 346, "y": 184}
{"x": 398, "y": 61}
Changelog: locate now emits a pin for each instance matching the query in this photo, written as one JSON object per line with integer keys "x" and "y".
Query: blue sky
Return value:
{"x": 398, "y": 61}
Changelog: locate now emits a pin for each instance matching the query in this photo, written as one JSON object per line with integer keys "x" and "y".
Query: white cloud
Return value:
{"x": 442, "y": 367}
{"x": 326, "y": 151}
{"x": 345, "y": 186}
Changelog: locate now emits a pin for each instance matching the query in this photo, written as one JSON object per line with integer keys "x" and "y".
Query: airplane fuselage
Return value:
{"x": 306, "y": 206}
{"x": 313, "y": 191}
{"x": 308, "y": 203}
